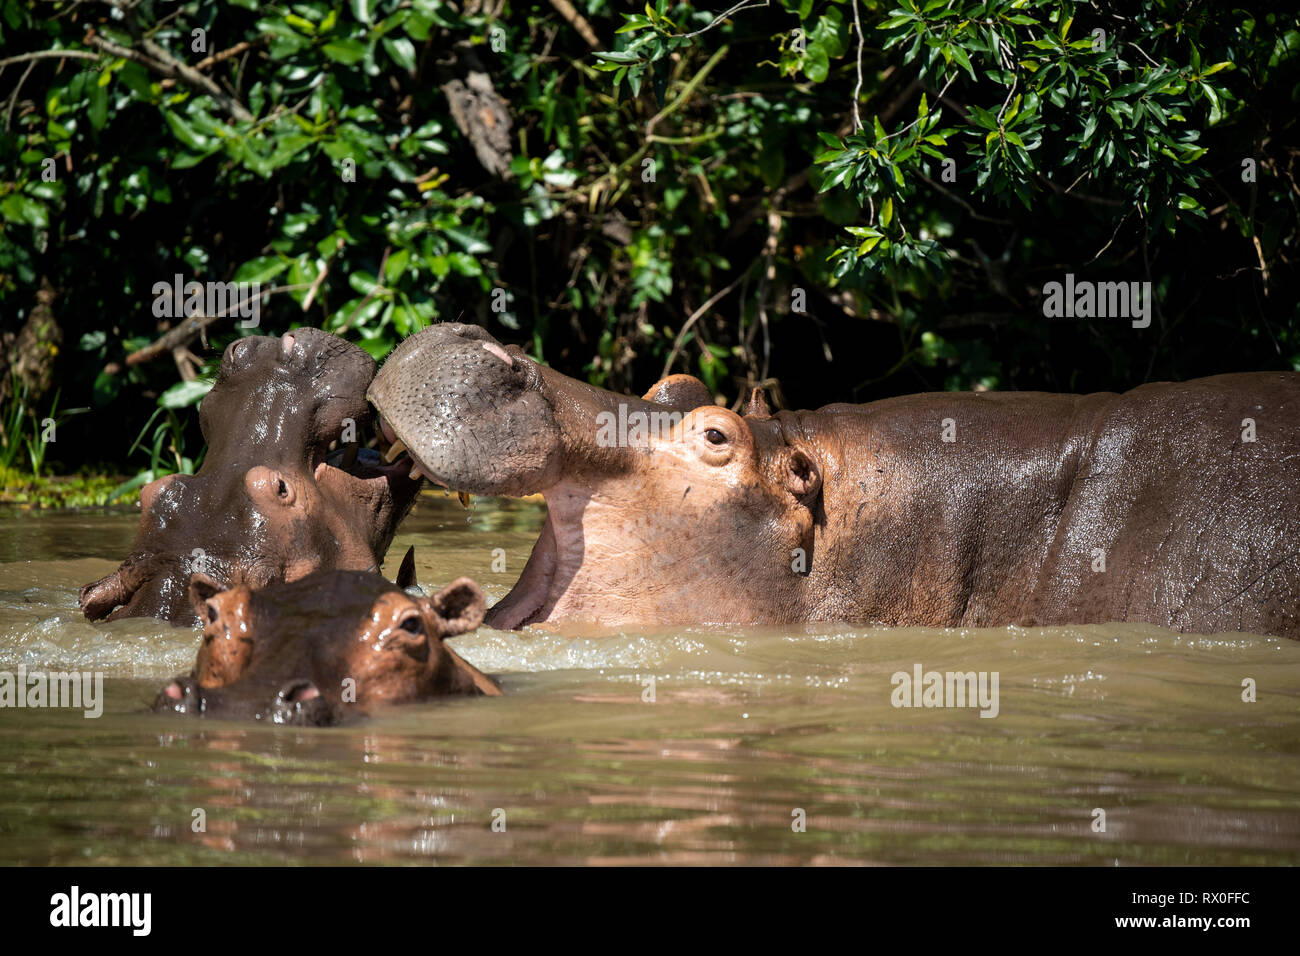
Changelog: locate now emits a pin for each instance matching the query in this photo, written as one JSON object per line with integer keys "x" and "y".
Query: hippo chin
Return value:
{"x": 272, "y": 501}
{"x": 328, "y": 646}
{"x": 1172, "y": 504}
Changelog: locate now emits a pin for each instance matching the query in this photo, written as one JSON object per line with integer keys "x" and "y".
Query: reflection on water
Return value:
{"x": 749, "y": 732}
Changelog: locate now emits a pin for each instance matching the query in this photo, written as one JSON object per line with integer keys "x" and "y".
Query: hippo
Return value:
{"x": 274, "y": 500}
{"x": 1175, "y": 504}
{"x": 333, "y": 644}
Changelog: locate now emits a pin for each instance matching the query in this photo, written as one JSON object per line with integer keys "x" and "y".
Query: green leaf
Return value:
{"x": 185, "y": 394}
{"x": 402, "y": 51}
{"x": 816, "y": 63}
{"x": 470, "y": 243}
{"x": 346, "y": 51}
{"x": 262, "y": 269}
{"x": 619, "y": 56}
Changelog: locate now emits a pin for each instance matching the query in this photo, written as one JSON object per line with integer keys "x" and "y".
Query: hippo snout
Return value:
{"x": 296, "y": 703}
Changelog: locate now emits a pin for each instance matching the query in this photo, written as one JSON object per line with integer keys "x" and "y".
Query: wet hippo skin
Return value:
{"x": 332, "y": 645}
{"x": 271, "y": 502}
{"x": 1153, "y": 506}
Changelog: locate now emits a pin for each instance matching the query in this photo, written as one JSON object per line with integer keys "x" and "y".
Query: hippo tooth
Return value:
{"x": 398, "y": 447}
{"x": 464, "y": 498}
{"x": 416, "y": 474}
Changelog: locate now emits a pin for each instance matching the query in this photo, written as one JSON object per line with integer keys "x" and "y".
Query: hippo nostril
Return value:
{"x": 284, "y": 491}
{"x": 300, "y": 703}
{"x": 181, "y": 696}
{"x": 298, "y": 692}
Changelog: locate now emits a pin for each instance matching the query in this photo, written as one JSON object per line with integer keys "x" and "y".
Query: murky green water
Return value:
{"x": 747, "y": 728}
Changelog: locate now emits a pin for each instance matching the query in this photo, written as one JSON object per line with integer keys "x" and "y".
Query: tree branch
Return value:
{"x": 155, "y": 58}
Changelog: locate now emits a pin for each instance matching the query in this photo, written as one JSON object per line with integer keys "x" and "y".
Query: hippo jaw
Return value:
{"x": 639, "y": 524}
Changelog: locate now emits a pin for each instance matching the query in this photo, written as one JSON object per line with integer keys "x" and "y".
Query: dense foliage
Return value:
{"x": 840, "y": 199}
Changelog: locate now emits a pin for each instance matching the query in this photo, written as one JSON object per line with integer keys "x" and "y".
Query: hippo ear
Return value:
{"x": 202, "y": 590}
{"x": 464, "y": 678}
{"x": 758, "y": 407}
{"x": 683, "y": 393}
{"x": 802, "y": 477}
{"x": 459, "y": 607}
{"x": 406, "y": 573}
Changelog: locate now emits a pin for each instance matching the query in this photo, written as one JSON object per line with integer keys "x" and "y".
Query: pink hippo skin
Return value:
{"x": 865, "y": 513}
{"x": 271, "y": 502}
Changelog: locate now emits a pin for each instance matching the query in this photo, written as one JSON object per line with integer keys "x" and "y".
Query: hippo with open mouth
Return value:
{"x": 275, "y": 498}
{"x": 317, "y": 650}
{"x": 1171, "y": 504}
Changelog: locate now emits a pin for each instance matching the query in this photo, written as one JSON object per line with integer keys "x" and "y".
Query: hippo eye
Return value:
{"x": 412, "y": 624}
{"x": 714, "y": 437}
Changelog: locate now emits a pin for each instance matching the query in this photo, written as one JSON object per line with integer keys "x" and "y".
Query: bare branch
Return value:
{"x": 578, "y": 22}
{"x": 192, "y": 326}
{"x": 698, "y": 313}
{"x": 50, "y": 55}
{"x": 743, "y": 5}
{"x": 857, "y": 90}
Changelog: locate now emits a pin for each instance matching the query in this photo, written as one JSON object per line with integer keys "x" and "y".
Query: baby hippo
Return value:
{"x": 314, "y": 651}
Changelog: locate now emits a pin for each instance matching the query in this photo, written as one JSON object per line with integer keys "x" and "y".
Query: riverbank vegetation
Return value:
{"x": 839, "y": 200}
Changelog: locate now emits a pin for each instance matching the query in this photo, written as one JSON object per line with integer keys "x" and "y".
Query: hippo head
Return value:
{"x": 314, "y": 650}
{"x": 285, "y": 488}
{"x": 652, "y": 502}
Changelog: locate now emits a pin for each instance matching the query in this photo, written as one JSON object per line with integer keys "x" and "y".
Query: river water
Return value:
{"x": 1112, "y": 745}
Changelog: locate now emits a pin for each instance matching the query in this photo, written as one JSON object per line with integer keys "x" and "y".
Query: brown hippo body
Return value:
{"x": 1151, "y": 506}
{"x": 1052, "y": 509}
{"x": 322, "y": 648}
{"x": 272, "y": 501}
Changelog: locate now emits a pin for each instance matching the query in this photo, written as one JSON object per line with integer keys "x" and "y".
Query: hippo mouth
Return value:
{"x": 365, "y": 464}
{"x": 477, "y": 417}
{"x": 387, "y": 483}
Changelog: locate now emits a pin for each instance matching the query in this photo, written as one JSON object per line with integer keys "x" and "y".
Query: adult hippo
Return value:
{"x": 331, "y": 644}
{"x": 1172, "y": 504}
{"x": 273, "y": 501}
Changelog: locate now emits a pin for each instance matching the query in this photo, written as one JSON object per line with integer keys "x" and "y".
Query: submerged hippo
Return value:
{"x": 331, "y": 644}
{"x": 272, "y": 501}
{"x": 1172, "y": 504}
